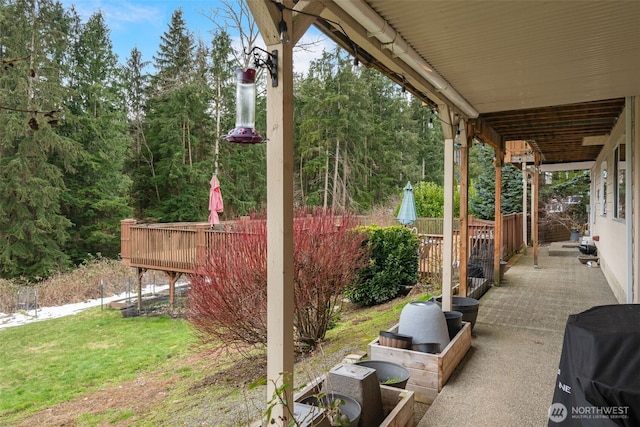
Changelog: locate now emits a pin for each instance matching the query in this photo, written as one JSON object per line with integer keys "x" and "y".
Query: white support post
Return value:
{"x": 534, "y": 208}
{"x": 280, "y": 284}
{"x": 447, "y": 256}
{"x": 280, "y": 288}
{"x": 633, "y": 186}
{"x": 449, "y": 132}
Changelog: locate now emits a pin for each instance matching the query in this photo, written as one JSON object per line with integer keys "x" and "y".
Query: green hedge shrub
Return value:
{"x": 392, "y": 267}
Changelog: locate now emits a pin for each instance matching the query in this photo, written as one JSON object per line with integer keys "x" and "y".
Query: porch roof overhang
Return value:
{"x": 552, "y": 73}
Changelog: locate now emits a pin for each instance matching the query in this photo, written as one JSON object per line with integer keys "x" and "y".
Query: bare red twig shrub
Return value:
{"x": 228, "y": 296}
{"x": 328, "y": 254}
{"x": 228, "y": 293}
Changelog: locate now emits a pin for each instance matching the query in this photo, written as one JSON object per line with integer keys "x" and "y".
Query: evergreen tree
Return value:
{"x": 96, "y": 198}
{"x": 430, "y": 155}
{"x": 140, "y": 165}
{"x": 221, "y": 78}
{"x": 511, "y": 190}
{"x": 388, "y": 144}
{"x": 331, "y": 117}
{"x": 33, "y": 156}
{"x": 482, "y": 201}
{"x": 314, "y": 129}
{"x": 175, "y": 127}
{"x": 359, "y": 137}
{"x": 175, "y": 57}
{"x": 398, "y": 144}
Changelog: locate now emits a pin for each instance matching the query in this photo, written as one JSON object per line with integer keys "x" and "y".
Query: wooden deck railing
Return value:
{"x": 170, "y": 246}
{"x": 511, "y": 234}
{"x": 177, "y": 247}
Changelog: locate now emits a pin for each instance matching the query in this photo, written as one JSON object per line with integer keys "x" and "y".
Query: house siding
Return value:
{"x": 636, "y": 200}
{"x": 611, "y": 231}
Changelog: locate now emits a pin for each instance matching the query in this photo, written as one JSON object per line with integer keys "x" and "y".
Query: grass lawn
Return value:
{"x": 45, "y": 363}
{"x": 91, "y": 355}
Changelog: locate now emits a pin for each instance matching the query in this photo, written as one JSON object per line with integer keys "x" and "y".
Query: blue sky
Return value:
{"x": 140, "y": 23}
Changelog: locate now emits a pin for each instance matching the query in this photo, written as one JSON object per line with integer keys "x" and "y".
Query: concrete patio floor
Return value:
{"x": 508, "y": 376}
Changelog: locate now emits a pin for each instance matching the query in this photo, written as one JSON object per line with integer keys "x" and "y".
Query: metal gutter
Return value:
{"x": 377, "y": 27}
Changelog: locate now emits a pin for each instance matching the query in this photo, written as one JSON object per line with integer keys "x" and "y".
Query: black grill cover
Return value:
{"x": 599, "y": 374}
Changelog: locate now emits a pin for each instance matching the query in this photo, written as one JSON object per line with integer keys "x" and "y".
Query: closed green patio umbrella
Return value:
{"x": 407, "y": 214}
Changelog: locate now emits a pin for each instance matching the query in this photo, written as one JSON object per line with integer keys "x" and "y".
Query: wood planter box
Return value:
{"x": 397, "y": 403}
{"x": 429, "y": 372}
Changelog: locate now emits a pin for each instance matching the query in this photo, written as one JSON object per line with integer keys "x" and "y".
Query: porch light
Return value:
{"x": 284, "y": 34}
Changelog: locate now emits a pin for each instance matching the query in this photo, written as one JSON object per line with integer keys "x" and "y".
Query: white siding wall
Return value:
{"x": 611, "y": 231}
{"x": 636, "y": 200}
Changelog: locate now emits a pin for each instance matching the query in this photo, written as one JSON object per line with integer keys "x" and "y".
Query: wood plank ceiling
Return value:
{"x": 558, "y": 131}
{"x": 551, "y": 72}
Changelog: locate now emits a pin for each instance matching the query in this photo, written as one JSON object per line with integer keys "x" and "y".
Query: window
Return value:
{"x": 602, "y": 194}
{"x": 619, "y": 188}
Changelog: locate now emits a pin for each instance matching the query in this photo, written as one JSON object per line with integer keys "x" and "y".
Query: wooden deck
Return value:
{"x": 169, "y": 247}
{"x": 176, "y": 248}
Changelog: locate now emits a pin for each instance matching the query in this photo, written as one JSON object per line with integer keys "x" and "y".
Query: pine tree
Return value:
{"x": 359, "y": 137}
{"x": 96, "y": 198}
{"x": 141, "y": 166}
{"x": 176, "y": 129}
{"x": 175, "y": 56}
{"x": 482, "y": 202}
{"x": 33, "y": 156}
{"x": 511, "y": 190}
{"x": 221, "y": 75}
{"x": 430, "y": 154}
{"x": 135, "y": 82}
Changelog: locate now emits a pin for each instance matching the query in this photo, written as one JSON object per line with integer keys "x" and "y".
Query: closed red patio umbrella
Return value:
{"x": 215, "y": 201}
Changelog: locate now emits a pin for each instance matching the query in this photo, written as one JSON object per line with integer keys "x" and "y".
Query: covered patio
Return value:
{"x": 562, "y": 76}
{"x": 509, "y": 375}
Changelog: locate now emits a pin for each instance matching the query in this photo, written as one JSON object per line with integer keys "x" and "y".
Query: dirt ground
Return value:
{"x": 141, "y": 395}
{"x": 137, "y": 396}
